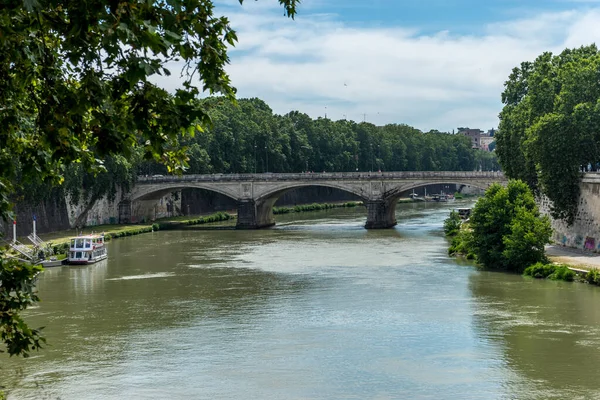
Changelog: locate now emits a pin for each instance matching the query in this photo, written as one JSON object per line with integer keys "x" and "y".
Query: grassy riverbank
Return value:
{"x": 117, "y": 231}
{"x": 59, "y": 240}
{"x": 314, "y": 207}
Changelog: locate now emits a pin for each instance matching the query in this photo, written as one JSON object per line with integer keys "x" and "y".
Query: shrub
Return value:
{"x": 551, "y": 271}
{"x": 563, "y": 273}
{"x": 540, "y": 270}
{"x": 155, "y": 226}
{"x": 593, "y": 276}
{"x": 452, "y": 224}
{"x": 462, "y": 243}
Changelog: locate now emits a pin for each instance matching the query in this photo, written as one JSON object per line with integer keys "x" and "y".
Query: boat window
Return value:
{"x": 72, "y": 254}
{"x": 78, "y": 254}
{"x": 72, "y": 242}
{"x": 87, "y": 243}
{"x": 79, "y": 243}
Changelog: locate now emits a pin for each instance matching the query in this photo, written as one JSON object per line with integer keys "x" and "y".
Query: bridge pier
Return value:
{"x": 253, "y": 215}
{"x": 381, "y": 214}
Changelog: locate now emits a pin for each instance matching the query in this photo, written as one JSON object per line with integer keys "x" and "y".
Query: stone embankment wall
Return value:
{"x": 584, "y": 234}
{"x": 51, "y": 215}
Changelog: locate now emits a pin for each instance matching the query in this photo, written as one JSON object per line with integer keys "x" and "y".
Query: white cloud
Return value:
{"x": 393, "y": 75}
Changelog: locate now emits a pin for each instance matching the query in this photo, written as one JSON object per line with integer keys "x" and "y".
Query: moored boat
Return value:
{"x": 87, "y": 249}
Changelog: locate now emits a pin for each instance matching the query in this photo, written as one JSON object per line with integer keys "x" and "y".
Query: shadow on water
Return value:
{"x": 95, "y": 313}
{"x": 549, "y": 333}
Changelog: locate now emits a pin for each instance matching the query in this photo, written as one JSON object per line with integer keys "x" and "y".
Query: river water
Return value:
{"x": 316, "y": 308}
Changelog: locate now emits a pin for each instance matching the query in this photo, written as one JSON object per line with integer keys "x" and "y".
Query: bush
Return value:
{"x": 539, "y": 270}
{"x": 452, "y": 224}
{"x": 551, "y": 271}
{"x": 155, "y": 226}
{"x": 563, "y": 273}
{"x": 593, "y": 276}
{"x": 462, "y": 243}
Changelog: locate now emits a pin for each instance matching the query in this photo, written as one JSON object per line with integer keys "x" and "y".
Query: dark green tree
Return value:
{"x": 508, "y": 232}
{"x": 75, "y": 88}
{"x": 550, "y": 124}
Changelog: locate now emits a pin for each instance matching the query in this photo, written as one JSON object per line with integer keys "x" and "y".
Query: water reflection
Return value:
{"x": 549, "y": 332}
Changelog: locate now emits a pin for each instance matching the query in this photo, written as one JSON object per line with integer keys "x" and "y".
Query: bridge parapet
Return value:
{"x": 141, "y": 179}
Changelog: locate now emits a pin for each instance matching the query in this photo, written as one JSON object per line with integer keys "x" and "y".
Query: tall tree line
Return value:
{"x": 248, "y": 137}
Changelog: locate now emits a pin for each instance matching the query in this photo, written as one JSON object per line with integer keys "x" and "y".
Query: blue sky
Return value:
{"x": 433, "y": 64}
{"x": 461, "y": 16}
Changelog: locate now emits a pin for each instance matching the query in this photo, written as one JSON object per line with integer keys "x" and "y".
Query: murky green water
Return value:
{"x": 317, "y": 308}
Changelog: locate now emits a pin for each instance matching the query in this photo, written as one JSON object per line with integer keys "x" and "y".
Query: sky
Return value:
{"x": 432, "y": 64}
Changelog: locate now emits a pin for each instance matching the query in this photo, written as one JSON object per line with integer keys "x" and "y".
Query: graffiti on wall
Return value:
{"x": 590, "y": 243}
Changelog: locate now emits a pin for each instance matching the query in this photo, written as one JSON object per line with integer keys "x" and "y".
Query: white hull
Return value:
{"x": 88, "y": 261}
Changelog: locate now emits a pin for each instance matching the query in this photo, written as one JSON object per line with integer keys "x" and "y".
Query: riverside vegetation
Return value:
{"x": 314, "y": 207}
{"x": 506, "y": 232}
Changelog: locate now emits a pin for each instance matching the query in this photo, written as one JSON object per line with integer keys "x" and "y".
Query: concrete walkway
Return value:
{"x": 575, "y": 257}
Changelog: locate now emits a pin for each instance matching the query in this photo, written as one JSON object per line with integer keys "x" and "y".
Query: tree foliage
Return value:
{"x": 75, "y": 81}
{"x": 550, "y": 124}
{"x": 76, "y": 95}
{"x": 17, "y": 292}
{"x": 508, "y": 232}
{"x": 248, "y": 137}
{"x": 452, "y": 224}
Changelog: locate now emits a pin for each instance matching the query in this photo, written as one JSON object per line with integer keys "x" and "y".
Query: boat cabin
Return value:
{"x": 87, "y": 249}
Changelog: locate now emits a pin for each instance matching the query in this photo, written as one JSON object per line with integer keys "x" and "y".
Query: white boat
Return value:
{"x": 87, "y": 249}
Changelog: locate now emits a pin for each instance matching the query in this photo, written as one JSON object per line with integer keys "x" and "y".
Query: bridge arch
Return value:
{"x": 264, "y": 202}
{"x": 405, "y": 187}
{"x": 141, "y": 202}
{"x": 148, "y": 192}
{"x": 278, "y": 191}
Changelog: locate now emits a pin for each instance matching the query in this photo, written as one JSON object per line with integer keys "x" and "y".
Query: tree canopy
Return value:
{"x": 550, "y": 124}
{"x": 75, "y": 89}
{"x": 507, "y": 230}
{"x": 74, "y": 81}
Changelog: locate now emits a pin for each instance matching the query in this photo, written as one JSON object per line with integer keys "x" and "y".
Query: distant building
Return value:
{"x": 479, "y": 139}
{"x": 474, "y": 134}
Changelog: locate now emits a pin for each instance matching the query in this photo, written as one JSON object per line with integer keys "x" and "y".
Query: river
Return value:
{"x": 316, "y": 308}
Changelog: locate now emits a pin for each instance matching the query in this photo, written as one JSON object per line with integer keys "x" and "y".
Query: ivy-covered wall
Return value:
{"x": 584, "y": 233}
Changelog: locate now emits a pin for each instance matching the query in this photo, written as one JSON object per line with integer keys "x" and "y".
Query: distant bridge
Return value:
{"x": 257, "y": 193}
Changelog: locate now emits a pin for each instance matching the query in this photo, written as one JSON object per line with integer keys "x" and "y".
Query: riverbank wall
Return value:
{"x": 584, "y": 233}
{"x": 51, "y": 214}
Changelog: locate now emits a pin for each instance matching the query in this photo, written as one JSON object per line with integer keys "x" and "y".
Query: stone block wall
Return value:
{"x": 584, "y": 234}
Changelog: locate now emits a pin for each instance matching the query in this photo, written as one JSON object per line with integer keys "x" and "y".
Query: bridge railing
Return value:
{"x": 323, "y": 176}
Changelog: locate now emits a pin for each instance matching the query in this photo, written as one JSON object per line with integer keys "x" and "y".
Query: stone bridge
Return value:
{"x": 257, "y": 193}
